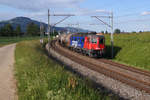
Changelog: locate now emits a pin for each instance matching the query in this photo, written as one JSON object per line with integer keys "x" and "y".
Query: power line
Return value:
{"x": 109, "y": 25}
{"x": 66, "y": 16}
{"x": 49, "y": 29}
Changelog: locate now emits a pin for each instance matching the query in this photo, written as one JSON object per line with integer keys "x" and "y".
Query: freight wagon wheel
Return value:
{"x": 82, "y": 51}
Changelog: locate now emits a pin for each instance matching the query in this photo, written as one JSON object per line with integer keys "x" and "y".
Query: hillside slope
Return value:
{"x": 132, "y": 49}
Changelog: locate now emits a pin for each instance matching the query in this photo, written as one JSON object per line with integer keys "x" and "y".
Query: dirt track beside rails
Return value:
{"x": 7, "y": 82}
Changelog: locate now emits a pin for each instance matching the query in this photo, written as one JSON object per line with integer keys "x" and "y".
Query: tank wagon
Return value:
{"x": 85, "y": 43}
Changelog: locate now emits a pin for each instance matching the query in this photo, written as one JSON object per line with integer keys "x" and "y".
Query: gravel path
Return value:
{"x": 7, "y": 81}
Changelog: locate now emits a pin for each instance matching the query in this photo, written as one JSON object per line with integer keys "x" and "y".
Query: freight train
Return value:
{"x": 91, "y": 44}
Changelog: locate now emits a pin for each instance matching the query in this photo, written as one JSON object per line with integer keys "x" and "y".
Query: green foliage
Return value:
{"x": 54, "y": 33}
{"x": 133, "y": 32}
{"x": 2, "y": 31}
{"x": 7, "y": 30}
{"x": 134, "y": 49}
{"x": 106, "y": 32}
{"x": 117, "y": 31}
{"x": 18, "y": 31}
{"x": 33, "y": 29}
{"x": 40, "y": 78}
{"x": 102, "y": 31}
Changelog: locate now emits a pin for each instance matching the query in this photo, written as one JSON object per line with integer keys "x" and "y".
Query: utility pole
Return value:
{"x": 78, "y": 26}
{"x": 41, "y": 32}
{"x": 49, "y": 28}
{"x": 69, "y": 30}
{"x": 65, "y": 17}
{"x": 53, "y": 31}
{"x": 109, "y": 25}
{"x": 112, "y": 40}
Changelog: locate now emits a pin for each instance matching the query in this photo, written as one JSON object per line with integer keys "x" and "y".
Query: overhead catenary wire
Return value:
{"x": 110, "y": 26}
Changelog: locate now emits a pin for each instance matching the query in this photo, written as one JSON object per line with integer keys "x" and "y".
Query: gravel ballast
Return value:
{"x": 117, "y": 87}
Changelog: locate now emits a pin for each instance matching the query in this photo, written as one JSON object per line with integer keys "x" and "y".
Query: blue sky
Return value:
{"x": 129, "y": 15}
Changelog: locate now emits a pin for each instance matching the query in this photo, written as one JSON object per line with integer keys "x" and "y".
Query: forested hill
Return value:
{"x": 24, "y": 21}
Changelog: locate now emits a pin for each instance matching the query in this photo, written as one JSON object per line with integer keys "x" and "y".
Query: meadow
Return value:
{"x": 131, "y": 49}
{"x": 41, "y": 78}
{"x": 8, "y": 40}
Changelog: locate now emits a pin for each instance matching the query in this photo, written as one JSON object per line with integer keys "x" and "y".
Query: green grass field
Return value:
{"x": 40, "y": 78}
{"x": 9, "y": 40}
{"x": 131, "y": 49}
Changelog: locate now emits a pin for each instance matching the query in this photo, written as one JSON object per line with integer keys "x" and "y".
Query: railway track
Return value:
{"x": 140, "y": 71}
{"x": 133, "y": 77}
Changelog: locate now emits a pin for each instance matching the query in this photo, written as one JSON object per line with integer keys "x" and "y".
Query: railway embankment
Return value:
{"x": 117, "y": 87}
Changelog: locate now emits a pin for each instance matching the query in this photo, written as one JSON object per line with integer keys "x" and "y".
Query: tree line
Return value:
{"x": 8, "y": 30}
{"x": 118, "y": 31}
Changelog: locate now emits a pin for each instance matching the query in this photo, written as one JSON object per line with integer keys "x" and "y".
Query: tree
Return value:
{"x": 106, "y": 32}
{"x": 117, "y": 31}
{"x": 55, "y": 33}
{"x": 133, "y": 31}
{"x": 33, "y": 29}
{"x": 102, "y": 31}
{"x": 7, "y": 30}
{"x": 1, "y": 31}
{"x": 18, "y": 30}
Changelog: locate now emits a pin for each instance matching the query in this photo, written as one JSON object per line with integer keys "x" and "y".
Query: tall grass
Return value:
{"x": 40, "y": 78}
{"x": 9, "y": 40}
{"x": 134, "y": 49}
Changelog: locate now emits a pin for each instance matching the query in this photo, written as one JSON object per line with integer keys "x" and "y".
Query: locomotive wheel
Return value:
{"x": 91, "y": 54}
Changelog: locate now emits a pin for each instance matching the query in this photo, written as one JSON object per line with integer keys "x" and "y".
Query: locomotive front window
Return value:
{"x": 94, "y": 40}
{"x": 101, "y": 41}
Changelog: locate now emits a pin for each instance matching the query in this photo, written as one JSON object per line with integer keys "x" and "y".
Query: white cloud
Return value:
{"x": 145, "y": 13}
{"x": 37, "y": 14}
{"x": 36, "y": 5}
{"x": 89, "y": 12}
{"x": 102, "y": 11}
{"x": 6, "y": 16}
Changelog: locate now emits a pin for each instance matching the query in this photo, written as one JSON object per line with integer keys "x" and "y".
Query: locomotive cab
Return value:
{"x": 101, "y": 45}
{"x": 95, "y": 45}
{"x": 87, "y": 44}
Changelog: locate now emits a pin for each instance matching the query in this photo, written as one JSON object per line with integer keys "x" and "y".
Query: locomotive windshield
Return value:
{"x": 94, "y": 40}
{"x": 101, "y": 41}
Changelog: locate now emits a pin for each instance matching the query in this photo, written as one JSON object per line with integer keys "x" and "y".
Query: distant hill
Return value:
{"x": 24, "y": 21}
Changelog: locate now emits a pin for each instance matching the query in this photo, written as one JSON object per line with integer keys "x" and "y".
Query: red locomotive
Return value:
{"x": 89, "y": 44}
{"x": 94, "y": 45}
